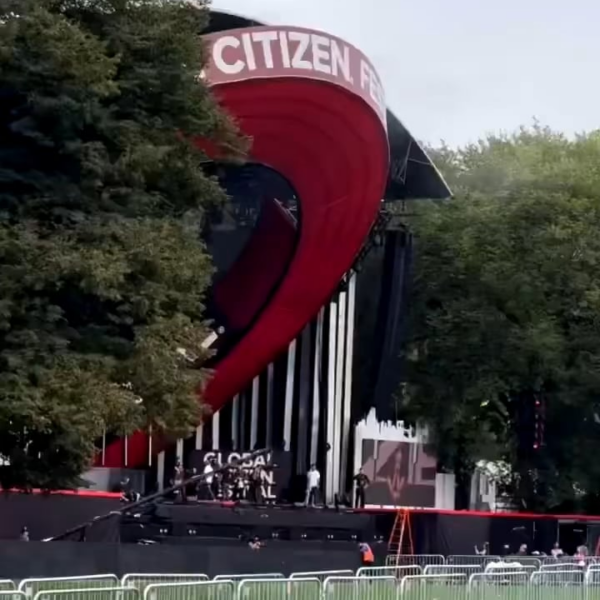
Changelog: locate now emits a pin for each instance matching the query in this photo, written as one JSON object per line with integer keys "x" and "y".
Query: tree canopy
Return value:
{"x": 102, "y": 271}
{"x": 505, "y": 316}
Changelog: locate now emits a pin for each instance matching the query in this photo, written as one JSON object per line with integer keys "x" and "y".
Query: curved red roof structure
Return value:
{"x": 314, "y": 108}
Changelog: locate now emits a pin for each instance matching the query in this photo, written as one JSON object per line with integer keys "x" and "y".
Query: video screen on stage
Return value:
{"x": 400, "y": 473}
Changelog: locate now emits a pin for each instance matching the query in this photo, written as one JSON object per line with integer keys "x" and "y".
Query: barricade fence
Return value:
{"x": 142, "y": 580}
{"x": 12, "y": 595}
{"x": 500, "y": 580}
{"x": 398, "y": 572}
{"x": 322, "y": 575}
{"x": 415, "y": 559}
{"x": 31, "y": 587}
{"x": 249, "y": 576}
{"x": 96, "y": 593}
{"x": 360, "y": 588}
{"x": 451, "y": 570}
{"x": 190, "y": 590}
{"x": 428, "y": 587}
{"x": 280, "y": 589}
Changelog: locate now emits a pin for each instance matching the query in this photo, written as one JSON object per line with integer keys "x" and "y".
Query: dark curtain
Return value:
{"x": 459, "y": 534}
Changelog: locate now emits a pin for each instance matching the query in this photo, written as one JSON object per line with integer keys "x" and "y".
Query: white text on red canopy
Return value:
{"x": 276, "y": 52}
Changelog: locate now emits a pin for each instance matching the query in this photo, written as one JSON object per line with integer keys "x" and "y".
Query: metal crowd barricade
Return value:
{"x": 526, "y": 570}
{"x": 235, "y": 577}
{"x": 564, "y": 566}
{"x": 396, "y": 560}
{"x": 592, "y": 583}
{"x": 360, "y": 588}
{"x": 6, "y": 585}
{"x": 426, "y": 587}
{"x": 559, "y": 585}
{"x": 97, "y": 593}
{"x": 568, "y": 577}
{"x": 592, "y": 575}
{"x": 398, "y": 572}
{"x": 510, "y": 567}
{"x": 322, "y": 575}
{"x": 32, "y": 586}
{"x": 141, "y": 581}
{"x": 191, "y": 590}
{"x": 500, "y": 585}
{"x": 564, "y": 561}
{"x": 279, "y": 589}
{"x": 467, "y": 570}
{"x": 527, "y": 561}
{"x": 472, "y": 559}
{"x": 12, "y": 594}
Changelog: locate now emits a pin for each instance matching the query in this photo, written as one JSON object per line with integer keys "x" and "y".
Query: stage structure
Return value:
{"x": 305, "y": 212}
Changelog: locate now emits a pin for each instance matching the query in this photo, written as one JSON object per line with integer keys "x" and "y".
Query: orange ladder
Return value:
{"x": 401, "y": 541}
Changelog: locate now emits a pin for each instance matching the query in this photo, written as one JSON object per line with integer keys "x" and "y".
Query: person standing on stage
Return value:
{"x": 362, "y": 481}
{"x": 256, "y": 483}
{"x": 178, "y": 479}
{"x": 313, "y": 480}
{"x": 209, "y": 481}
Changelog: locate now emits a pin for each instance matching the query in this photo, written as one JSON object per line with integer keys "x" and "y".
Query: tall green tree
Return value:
{"x": 506, "y": 311}
{"x": 102, "y": 272}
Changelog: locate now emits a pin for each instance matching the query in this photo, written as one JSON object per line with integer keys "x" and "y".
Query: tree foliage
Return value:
{"x": 102, "y": 278}
{"x": 506, "y": 308}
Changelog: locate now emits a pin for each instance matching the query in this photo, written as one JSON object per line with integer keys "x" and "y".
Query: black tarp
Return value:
{"x": 48, "y": 515}
{"x": 19, "y": 560}
{"x": 459, "y": 533}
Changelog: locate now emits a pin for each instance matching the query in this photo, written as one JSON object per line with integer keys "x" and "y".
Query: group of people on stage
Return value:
{"x": 313, "y": 483}
{"x": 238, "y": 481}
{"x": 233, "y": 481}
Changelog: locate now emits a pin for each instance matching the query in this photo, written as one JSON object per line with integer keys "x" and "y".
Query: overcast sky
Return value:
{"x": 456, "y": 69}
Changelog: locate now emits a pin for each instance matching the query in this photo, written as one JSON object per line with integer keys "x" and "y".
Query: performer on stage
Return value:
{"x": 256, "y": 485}
{"x": 362, "y": 481}
{"x": 313, "y": 480}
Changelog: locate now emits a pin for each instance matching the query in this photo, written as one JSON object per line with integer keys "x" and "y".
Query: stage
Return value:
{"x": 229, "y": 520}
{"x": 433, "y": 532}
{"x": 216, "y": 524}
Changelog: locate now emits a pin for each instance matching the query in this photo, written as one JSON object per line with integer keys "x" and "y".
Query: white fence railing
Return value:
{"x": 456, "y": 581}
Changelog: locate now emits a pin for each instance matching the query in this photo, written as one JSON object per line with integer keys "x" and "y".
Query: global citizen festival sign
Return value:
{"x": 276, "y": 467}
{"x": 275, "y": 52}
